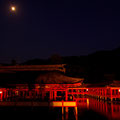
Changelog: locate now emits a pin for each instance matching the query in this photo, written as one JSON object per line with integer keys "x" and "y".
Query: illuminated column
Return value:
{"x": 62, "y": 110}
{"x": 1, "y": 95}
{"x": 66, "y": 109}
{"x": 83, "y": 91}
{"x": 87, "y": 103}
{"x": 55, "y": 94}
{"x": 4, "y": 94}
{"x": 66, "y": 95}
{"x": 105, "y": 94}
{"x": 115, "y": 94}
{"x": 76, "y": 113}
{"x": 66, "y": 116}
{"x": 51, "y": 95}
{"x": 102, "y": 94}
{"x": 62, "y": 117}
{"x": 111, "y": 94}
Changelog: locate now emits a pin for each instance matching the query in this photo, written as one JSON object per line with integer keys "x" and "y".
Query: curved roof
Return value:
{"x": 56, "y": 78}
{"x": 114, "y": 83}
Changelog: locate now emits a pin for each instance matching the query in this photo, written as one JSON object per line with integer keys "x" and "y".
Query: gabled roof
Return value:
{"x": 56, "y": 78}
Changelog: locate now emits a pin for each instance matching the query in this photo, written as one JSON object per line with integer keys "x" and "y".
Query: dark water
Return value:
{"x": 88, "y": 109}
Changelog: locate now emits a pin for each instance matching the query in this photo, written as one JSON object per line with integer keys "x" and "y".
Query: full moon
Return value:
{"x": 13, "y": 8}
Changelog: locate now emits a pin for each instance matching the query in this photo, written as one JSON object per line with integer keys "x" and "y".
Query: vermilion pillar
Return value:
{"x": 51, "y": 95}
{"x": 55, "y": 94}
{"x": 1, "y": 95}
{"x": 66, "y": 95}
{"x": 4, "y": 96}
{"x": 111, "y": 94}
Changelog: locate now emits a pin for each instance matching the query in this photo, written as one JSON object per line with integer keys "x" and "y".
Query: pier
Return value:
{"x": 59, "y": 92}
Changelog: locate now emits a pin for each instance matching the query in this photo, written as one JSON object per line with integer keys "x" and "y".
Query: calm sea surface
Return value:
{"x": 88, "y": 109}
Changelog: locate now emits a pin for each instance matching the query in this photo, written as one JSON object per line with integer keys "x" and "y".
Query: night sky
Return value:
{"x": 41, "y": 28}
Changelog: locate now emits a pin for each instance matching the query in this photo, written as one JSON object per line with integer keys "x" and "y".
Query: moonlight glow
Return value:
{"x": 13, "y": 8}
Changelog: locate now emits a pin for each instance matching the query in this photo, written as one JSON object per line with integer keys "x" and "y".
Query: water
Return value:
{"x": 88, "y": 109}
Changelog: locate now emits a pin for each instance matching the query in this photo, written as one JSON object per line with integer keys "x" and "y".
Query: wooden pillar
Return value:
{"x": 1, "y": 96}
{"x": 102, "y": 92}
{"x": 66, "y": 116}
{"x": 4, "y": 94}
{"x": 66, "y": 109}
{"x": 87, "y": 103}
{"x": 83, "y": 91}
{"x": 105, "y": 94}
{"x": 115, "y": 92}
{"x": 106, "y": 108}
{"x": 55, "y": 94}
{"x": 62, "y": 117}
{"x": 62, "y": 110}
{"x": 66, "y": 95}
{"x": 7, "y": 94}
{"x": 111, "y": 94}
{"x": 51, "y": 95}
{"x": 76, "y": 113}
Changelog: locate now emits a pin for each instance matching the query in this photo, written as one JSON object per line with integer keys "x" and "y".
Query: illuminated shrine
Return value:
{"x": 53, "y": 86}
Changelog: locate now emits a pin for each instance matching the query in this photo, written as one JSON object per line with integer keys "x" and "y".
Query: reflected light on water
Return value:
{"x": 95, "y": 109}
{"x": 108, "y": 109}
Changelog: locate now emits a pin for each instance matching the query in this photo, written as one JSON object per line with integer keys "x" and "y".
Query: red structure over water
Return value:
{"x": 53, "y": 92}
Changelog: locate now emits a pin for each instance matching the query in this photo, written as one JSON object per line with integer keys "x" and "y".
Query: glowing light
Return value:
{"x": 87, "y": 89}
{"x": 13, "y": 8}
{"x": 16, "y": 92}
{"x": 87, "y": 103}
{"x": 0, "y": 92}
{"x": 119, "y": 90}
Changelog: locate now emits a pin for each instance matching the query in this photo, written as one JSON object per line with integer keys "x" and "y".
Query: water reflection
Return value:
{"x": 89, "y": 108}
{"x": 110, "y": 109}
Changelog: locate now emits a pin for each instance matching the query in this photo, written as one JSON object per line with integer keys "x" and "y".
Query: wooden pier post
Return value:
{"x": 62, "y": 117}
{"x": 66, "y": 116}
{"x": 62, "y": 110}
{"x": 87, "y": 103}
{"x": 76, "y": 113}
{"x": 66, "y": 109}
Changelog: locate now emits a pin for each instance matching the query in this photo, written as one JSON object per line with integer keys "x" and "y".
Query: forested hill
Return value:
{"x": 97, "y": 67}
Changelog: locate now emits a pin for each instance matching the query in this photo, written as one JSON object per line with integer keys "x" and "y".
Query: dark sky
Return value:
{"x": 40, "y": 28}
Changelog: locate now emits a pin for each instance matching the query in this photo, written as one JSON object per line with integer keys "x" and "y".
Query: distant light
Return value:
{"x": 13, "y": 8}
{"x": 0, "y": 92}
{"x": 119, "y": 90}
{"x": 16, "y": 92}
{"x": 87, "y": 89}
